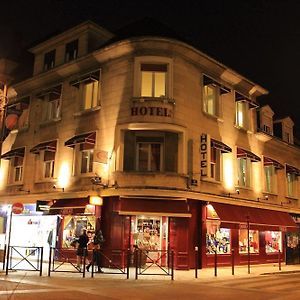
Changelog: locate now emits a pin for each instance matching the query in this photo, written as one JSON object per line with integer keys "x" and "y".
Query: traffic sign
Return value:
{"x": 17, "y": 208}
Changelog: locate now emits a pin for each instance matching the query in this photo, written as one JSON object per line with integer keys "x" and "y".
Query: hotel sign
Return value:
{"x": 156, "y": 111}
{"x": 203, "y": 155}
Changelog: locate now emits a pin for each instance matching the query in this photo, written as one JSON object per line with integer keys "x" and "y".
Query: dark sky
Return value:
{"x": 260, "y": 39}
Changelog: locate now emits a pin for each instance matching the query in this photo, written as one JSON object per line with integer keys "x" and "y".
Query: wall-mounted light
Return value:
{"x": 58, "y": 188}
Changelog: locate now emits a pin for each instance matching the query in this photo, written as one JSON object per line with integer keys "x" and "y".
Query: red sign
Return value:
{"x": 17, "y": 208}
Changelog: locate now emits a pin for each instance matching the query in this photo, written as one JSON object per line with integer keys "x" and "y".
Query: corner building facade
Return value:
{"x": 170, "y": 144}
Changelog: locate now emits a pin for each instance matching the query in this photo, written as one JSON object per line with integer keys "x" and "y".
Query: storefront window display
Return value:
{"x": 273, "y": 241}
{"x": 72, "y": 228}
{"x": 218, "y": 240}
{"x": 243, "y": 241}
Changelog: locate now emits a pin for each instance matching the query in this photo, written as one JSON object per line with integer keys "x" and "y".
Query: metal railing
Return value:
{"x": 66, "y": 262}
{"x": 154, "y": 262}
{"x": 24, "y": 259}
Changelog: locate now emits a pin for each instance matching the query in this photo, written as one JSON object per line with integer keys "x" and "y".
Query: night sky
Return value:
{"x": 260, "y": 39}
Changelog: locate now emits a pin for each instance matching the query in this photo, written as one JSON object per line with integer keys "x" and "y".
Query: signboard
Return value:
{"x": 243, "y": 226}
{"x": 17, "y": 208}
{"x": 203, "y": 154}
{"x": 42, "y": 206}
{"x": 101, "y": 156}
{"x": 151, "y": 111}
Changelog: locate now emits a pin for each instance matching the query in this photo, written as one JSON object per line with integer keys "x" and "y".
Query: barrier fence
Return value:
{"x": 25, "y": 259}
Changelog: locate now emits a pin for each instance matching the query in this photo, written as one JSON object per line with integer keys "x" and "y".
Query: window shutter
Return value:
{"x": 171, "y": 152}
{"x": 129, "y": 151}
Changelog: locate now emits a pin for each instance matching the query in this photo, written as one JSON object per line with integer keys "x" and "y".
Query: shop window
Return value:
{"x": 150, "y": 151}
{"x": 210, "y": 99}
{"x": 253, "y": 241}
{"x": 72, "y": 229}
{"x": 291, "y": 179}
{"x": 71, "y": 51}
{"x": 17, "y": 166}
{"x": 49, "y": 60}
{"x": 244, "y": 172}
{"x": 153, "y": 80}
{"x": 49, "y": 159}
{"x": 273, "y": 241}
{"x": 218, "y": 240}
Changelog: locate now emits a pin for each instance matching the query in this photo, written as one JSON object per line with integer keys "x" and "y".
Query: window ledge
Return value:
{"x": 49, "y": 122}
{"x": 270, "y": 193}
{"x": 157, "y": 99}
{"x": 46, "y": 180}
{"x": 87, "y": 111}
{"x": 242, "y": 129}
{"x": 19, "y": 183}
{"x": 213, "y": 117}
{"x": 246, "y": 188}
{"x": 211, "y": 180}
{"x": 19, "y": 130}
{"x": 291, "y": 197}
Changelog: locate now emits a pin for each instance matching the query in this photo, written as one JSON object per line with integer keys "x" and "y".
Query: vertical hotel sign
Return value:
{"x": 204, "y": 155}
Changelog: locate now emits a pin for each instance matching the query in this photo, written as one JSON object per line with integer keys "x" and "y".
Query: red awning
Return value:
{"x": 242, "y": 153}
{"x": 19, "y": 152}
{"x": 47, "y": 146}
{"x": 272, "y": 162}
{"x": 85, "y": 138}
{"x": 153, "y": 206}
{"x": 69, "y": 206}
{"x": 261, "y": 219}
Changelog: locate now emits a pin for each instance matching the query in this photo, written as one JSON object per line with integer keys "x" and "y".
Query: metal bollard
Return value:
{"x": 232, "y": 261}
{"x": 196, "y": 261}
{"x": 216, "y": 263}
{"x": 279, "y": 260}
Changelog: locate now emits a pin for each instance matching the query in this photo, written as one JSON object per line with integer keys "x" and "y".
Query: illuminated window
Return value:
{"x": 253, "y": 241}
{"x": 149, "y": 157}
{"x": 71, "y": 51}
{"x": 153, "y": 80}
{"x": 273, "y": 241}
{"x": 215, "y": 163}
{"x": 244, "y": 172}
{"x": 87, "y": 157}
{"x": 218, "y": 240}
{"x": 90, "y": 94}
{"x": 49, "y": 60}
{"x": 51, "y": 103}
{"x": 291, "y": 184}
{"x": 210, "y": 99}
{"x": 49, "y": 159}
{"x": 242, "y": 114}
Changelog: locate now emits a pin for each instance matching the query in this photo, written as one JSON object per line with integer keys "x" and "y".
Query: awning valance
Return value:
{"x": 293, "y": 170}
{"x": 86, "y": 138}
{"x": 47, "y": 146}
{"x": 18, "y": 152}
{"x": 86, "y": 78}
{"x": 157, "y": 207}
{"x": 53, "y": 91}
{"x": 209, "y": 81}
{"x": 221, "y": 146}
{"x": 72, "y": 206}
{"x": 240, "y": 97}
{"x": 261, "y": 219}
{"x": 272, "y": 162}
{"x": 242, "y": 153}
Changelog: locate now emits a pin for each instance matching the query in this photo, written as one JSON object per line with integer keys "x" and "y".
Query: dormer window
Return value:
{"x": 71, "y": 51}
{"x": 284, "y": 129}
{"x": 265, "y": 120}
{"x": 49, "y": 60}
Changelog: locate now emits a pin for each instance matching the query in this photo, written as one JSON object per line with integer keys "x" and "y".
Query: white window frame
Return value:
{"x": 51, "y": 164}
{"x": 291, "y": 185}
{"x": 94, "y": 100}
{"x": 216, "y": 100}
{"x": 152, "y": 60}
{"x": 17, "y": 171}
{"x": 217, "y": 165}
{"x": 90, "y": 161}
{"x": 273, "y": 179}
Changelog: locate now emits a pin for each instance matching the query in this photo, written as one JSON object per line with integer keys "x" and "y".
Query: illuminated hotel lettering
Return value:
{"x": 151, "y": 111}
{"x": 203, "y": 154}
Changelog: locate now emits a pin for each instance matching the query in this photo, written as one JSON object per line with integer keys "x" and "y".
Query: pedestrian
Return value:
{"x": 81, "y": 251}
{"x": 96, "y": 259}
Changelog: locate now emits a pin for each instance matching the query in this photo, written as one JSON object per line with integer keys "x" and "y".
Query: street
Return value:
{"x": 263, "y": 287}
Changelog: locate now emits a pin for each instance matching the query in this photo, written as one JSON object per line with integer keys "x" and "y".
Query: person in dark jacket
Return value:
{"x": 97, "y": 243}
{"x": 81, "y": 251}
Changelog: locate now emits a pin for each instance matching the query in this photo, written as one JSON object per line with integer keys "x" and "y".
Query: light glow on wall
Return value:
{"x": 64, "y": 175}
{"x": 256, "y": 177}
{"x": 228, "y": 173}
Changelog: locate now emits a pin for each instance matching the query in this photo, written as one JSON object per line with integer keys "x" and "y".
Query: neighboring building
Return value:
{"x": 165, "y": 139}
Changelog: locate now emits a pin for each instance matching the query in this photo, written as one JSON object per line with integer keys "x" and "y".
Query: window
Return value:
{"x": 17, "y": 162}
{"x": 90, "y": 95}
{"x": 270, "y": 178}
{"x": 71, "y": 51}
{"x": 267, "y": 129}
{"x": 210, "y": 99}
{"x": 242, "y": 114}
{"x": 291, "y": 184}
{"x": 218, "y": 240}
{"x": 49, "y": 60}
{"x": 153, "y": 80}
{"x": 244, "y": 172}
{"x": 215, "y": 163}
{"x": 253, "y": 241}
{"x": 273, "y": 241}
{"x": 49, "y": 159}
{"x": 150, "y": 151}
{"x": 87, "y": 161}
